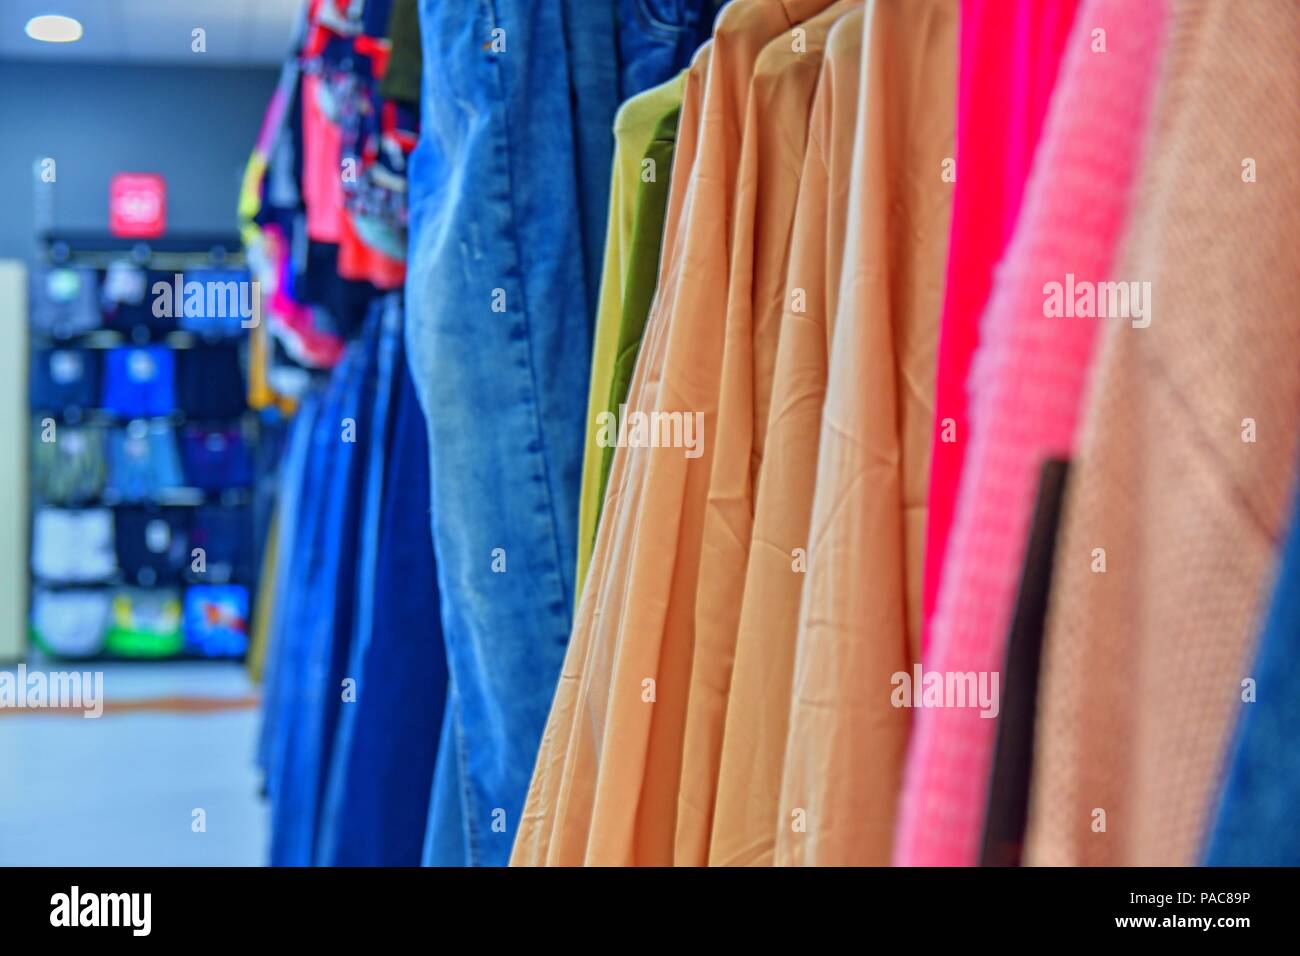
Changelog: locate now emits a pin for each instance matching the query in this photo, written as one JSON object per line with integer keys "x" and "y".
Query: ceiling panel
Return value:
{"x": 253, "y": 32}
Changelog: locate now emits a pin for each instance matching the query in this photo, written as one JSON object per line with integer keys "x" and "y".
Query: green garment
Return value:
{"x": 145, "y": 624}
{"x": 631, "y": 262}
{"x": 643, "y": 274}
{"x": 402, "y": 79}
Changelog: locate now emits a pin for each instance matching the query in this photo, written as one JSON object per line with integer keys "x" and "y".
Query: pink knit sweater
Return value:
{"x": 1026, "y": 387}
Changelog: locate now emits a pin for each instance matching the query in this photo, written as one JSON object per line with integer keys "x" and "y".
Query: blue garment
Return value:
{"x": 316, "y": 628}
{"x": 377, "y": 801}
{"x": 1258, "y": 820}
{"x": 298, "y": 495}
{"x": 215, "y": 619}
{"x": 64, "y": 302}
{"x": 509, "y": 191}
{"x": 64, "y": 378}
{"x": 216, "y": 458}
{"x": 139, "y": 382}
{"x": 143, "y": 461}
{"x": 224, "y": 301}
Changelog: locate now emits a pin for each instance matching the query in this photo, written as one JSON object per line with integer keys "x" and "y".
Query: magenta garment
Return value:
{"x": 1027, "y": 383}
{"x": 1010, "y": 50}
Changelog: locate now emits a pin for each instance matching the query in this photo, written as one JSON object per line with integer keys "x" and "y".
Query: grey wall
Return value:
{"x": 195, "y": 127}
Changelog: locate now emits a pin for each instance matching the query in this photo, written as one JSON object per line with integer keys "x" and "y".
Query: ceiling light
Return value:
{"x": 53, "y": 28}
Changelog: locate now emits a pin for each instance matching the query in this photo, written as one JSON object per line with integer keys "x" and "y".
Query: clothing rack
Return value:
{"x": 178, "y": 253}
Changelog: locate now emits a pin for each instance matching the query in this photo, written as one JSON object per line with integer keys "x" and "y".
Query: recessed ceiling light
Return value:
{"x": 52, "y": 28}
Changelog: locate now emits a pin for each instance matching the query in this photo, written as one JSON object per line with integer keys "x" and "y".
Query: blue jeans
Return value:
{"x": 294, "y": 507}
{"x": 1257, "y": 823}
{"x": 318, "y": 622}
{"x": 509, "y": 191}
{"x": 377, "y": 798}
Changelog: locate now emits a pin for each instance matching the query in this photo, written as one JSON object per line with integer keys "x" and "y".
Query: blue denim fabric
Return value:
{"x": 319, "y": 628}
{"x": 657, "y": 38}
{"x": 299, "y": 588}
{"x": 446, "y": 838}
{"x": 509, "y": 190}
{"x": 294, "y": 508}
{"x": 377, "y": 803}
{"x": 1258, "y": 820}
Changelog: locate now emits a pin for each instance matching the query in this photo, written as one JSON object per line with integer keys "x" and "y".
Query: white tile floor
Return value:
{"x": 121, "y": 790}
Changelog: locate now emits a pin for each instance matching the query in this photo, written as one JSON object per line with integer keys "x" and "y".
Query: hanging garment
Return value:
{"x": 758, "y": 701}
{"x": 376, "y": 802}
{"x": 508, "y": 209}
{"x": 771, "y": 158}
{"x": 1255, "y": 822}
{"x": 617, "y": 804}
{"x": 70, "y": 622}
{"x": 634, "y": 126}
{"x": 534, "y": 841}
{"x": 1008, "y": 788}
{"x": 317, "y": 612}
{"x": 1182, "y": 483}
{"x": 264, "y": 602}
{"x": 1010, "y": 50}
{"x": 299, "y": 491}
{"x": 63, "y": 302}
{"x": 1026, "y": 386}
{"x": 145, "y": 623}
{"x": 860, "y": 613}
{"x": 68, "y": 463}
{"x": 643, "y": 272}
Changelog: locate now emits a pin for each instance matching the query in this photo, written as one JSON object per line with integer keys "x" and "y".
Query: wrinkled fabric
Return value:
{"x": 859, "y": 621}
{"x": 604, "y": 791}
{"x": 534, "y": 843}
{"x": 1010, "y": 51}
{"x": 376, "y": 800}
{"x": 1026, "y": 386}
{"x": 758, "y": 700}
{"x": 771, "y": 157}
{"x": 1187, "y": 456}
{"x": 1255, "y": 822}
{"x": 634, "y": 127}
{"x": 508, "y": 205}
{"x": 643, "y": 273}
{"x": 317, "y": 610}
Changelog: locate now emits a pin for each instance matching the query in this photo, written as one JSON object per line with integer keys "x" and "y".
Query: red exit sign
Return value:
{"x": 137, "y": 205}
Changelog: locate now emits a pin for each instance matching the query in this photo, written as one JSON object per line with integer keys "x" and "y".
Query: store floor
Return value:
{"x": 122, "y": 789}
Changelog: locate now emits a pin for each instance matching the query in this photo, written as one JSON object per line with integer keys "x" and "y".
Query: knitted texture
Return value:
{"x": 1185, "y": 464}
{"x": 1027, "y": 380}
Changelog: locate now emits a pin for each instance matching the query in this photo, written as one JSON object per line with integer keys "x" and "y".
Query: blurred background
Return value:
{"x": 132, "y": 524}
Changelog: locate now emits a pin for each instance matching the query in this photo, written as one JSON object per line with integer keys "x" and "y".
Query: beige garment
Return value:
{"x": 771, "y": 158}
{"x": 649, "y": 608}
{"x": 605, "y": 786}
{"x": 860, "y": 613}
{"x": 758, "y": 702}
{"x": 1143, "y": 664}
{"x": 537, "y": 842}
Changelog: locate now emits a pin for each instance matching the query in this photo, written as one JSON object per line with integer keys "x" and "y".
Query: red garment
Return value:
{"x": 322, "y": 179}
{"x": 1027, "y": 390}
{"x": 359, "y": 261}
{"x": 1010, "y": 50}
